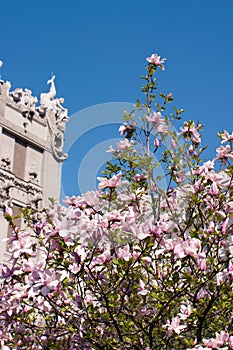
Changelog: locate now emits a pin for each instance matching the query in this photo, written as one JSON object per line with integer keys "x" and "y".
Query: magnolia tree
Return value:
{"x": 135, "y": 264}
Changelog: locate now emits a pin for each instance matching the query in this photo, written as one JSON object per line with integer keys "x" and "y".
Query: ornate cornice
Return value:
{"x": 49, "y": 113}
{"x": 9, "y": 181}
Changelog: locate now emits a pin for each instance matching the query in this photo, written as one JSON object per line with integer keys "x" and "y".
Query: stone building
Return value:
{"x": 31, "y": 143}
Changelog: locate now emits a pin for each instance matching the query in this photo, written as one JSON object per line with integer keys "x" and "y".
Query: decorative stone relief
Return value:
{"x": 34, "y": 192}
{"x": 57, "y": 117}
{"x": 16, "y": 95}
{"x": 34, "y": 196}
{"x": 33, "y": 176}
{"x": 28, "y": 100}
{"x": 6, "y": 163}
{"x": 24, "y": 98}
{"x": 34, "y": 200}
{"x": 25, "y": 102}
{"x": 6, "y": 183}
{"x": 57, "y": 139}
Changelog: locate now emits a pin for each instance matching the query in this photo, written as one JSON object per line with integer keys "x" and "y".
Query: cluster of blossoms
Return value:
{"x": 130, "y": 265}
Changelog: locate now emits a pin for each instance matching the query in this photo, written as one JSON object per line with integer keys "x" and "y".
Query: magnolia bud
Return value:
{"x": 156, "y": 142}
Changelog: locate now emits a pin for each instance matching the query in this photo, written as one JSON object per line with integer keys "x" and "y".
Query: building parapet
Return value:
{"x": 49, "y": 112}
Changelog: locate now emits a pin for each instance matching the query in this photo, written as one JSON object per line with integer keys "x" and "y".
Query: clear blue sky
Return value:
{"x": 97, "y": 51}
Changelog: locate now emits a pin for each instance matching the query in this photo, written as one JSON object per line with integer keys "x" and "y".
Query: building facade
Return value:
{"x": 31, "y": 151}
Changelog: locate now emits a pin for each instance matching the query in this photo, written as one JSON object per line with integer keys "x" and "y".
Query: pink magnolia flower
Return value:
{"x": 22, "y": 245}
{"x": 127, "y": 129}
{"x": 123, "y": 129}
{"x": 199, "y": 347}
{"x": 142, "y": 290}
{"x": 157, "y": 121}
{"x": 191, "y": 149}
{"x": 224, "y": 153}
{"x": 114, "y": 182}
{"x": 226, "y": 137}
{"x": 123, "y": 145}
{"x": 231, "y": 341}
{"x": 71, "y": 201}
{"x": 139, "y": 177}
{"x": 205, "y": 168}
{"x": 156, "y": 60}
{"x": 190, "y": 247}
{"x": 213, "y": 189}
{"x": 174, "y": 326}
{"x": 217, "y": 342}
{"x": 89, "y": 199}
{"x": 50, "y": 281}
{"x": 190, "y": 132}
{"x": 179, "y": 251}
{"x": 148, "y": 228}
{"x": 180, "y": 175}
{"x": 219, "y": 278}
{"x": 89, "y": 297}
{"x": 112, "y": 219}
{"x": 185, "y": 311}
{"x": 230, "y": 269}
{"x": 170, "y": 97}
{"x": 124, "y": 253}
{"x": 224, "y": 226}
{"x": 203, "y": 264}
{"x": 102, "y": 258}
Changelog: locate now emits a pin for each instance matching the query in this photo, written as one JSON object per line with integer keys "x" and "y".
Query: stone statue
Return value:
{"x": 61, "y": 113}
{"x": 28, "y": 100}
{"x": 16, "y": 95}
{"x": 28, "y": 105}
{"x": 47, "y": 97}
{"x": 48, "y": 102}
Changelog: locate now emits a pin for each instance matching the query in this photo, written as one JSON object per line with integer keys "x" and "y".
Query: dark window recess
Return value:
{"x": 19, "y": 158}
